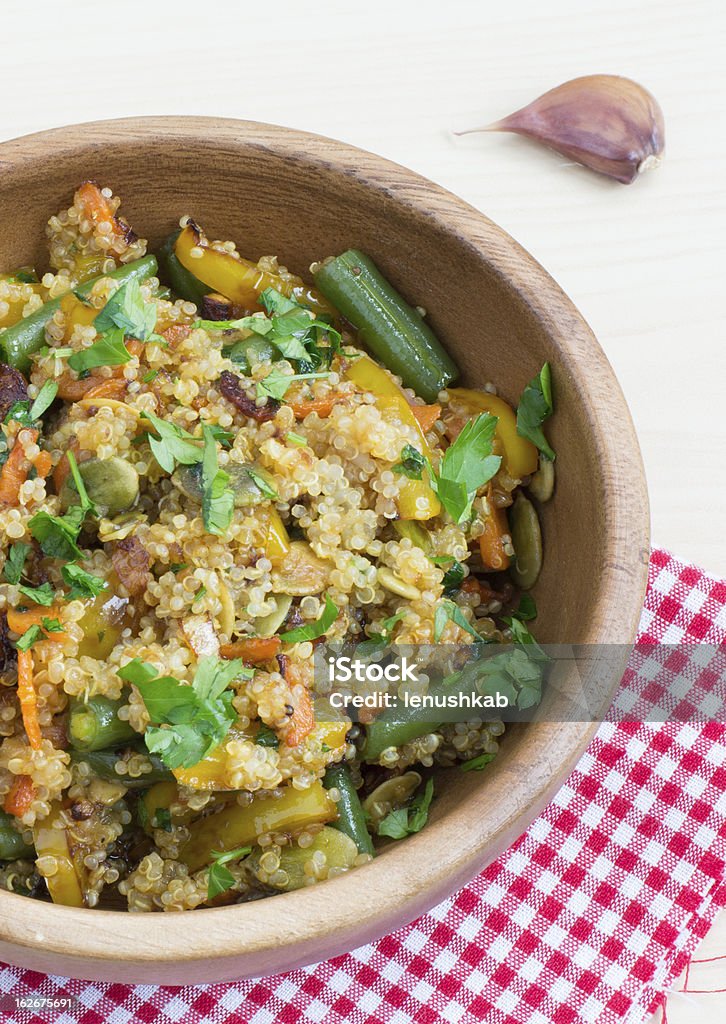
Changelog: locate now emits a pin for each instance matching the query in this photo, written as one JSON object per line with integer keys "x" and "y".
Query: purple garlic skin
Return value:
{"x": 607, "y": 123}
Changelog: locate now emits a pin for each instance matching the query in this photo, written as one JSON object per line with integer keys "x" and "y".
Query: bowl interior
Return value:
{"x": 501, "y": 317}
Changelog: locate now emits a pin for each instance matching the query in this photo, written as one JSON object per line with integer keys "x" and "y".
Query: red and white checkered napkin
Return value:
{"x": 587, "y": 918}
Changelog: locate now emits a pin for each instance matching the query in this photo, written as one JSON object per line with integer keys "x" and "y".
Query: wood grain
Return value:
{"x": 501, "y": 316}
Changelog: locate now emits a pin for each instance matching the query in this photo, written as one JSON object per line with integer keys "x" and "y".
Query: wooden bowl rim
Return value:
{"x": 320, "y": 921}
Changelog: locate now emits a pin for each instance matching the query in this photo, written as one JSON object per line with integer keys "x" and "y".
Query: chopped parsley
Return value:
{"x": 296, "y": 439}
{"x": 454, "y": 575}
{"x": 412, "y": 463}
{"x": 187, "y": 721}
{"x": 526, "y": 610}
{"x": 535, "y": 406}
{"x": 173, "y": 445}
{"x": 467, "y": 464}
{"x": 262, "y": 484}
{"x": 15, "y": 562}
{"x": 83, "y": 584}
{"x": 109, "y": 350}
{"x": 313, "y": 629}
{"x": 42, "y": 595}
{"x": 405, "y": 821}
{"x": 266, "y": 737}
{"x": 221, "y": 878}
{"x": 217, "y": 496}
{"x": 276, "y": 383}
{"x": 26, "y": 413}
{"x": 57, "y": 535}
{"x": 378, "y": 640}
{"x": 127, "y": 312}
{"x": 36, "y": 633}
{"x": 199, "y": 594}
{"x": 449, "y": 611}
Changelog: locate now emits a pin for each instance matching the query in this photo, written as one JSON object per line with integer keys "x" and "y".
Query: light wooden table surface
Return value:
{"x": 645, "y": 263}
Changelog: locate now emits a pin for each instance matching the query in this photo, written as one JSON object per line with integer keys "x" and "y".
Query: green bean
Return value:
{"x": 181, "y": 281}
{"x": 12, "y": 845}
{"x": 351, "y": 818}
{"x": 103, "y": 764}
{"x": 19, "y": 342}
{"x": 395, "y": 332}
{"x": 95, "y": 725}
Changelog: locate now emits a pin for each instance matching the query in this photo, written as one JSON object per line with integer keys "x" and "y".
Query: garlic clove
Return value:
{"x": 607, "y": 123}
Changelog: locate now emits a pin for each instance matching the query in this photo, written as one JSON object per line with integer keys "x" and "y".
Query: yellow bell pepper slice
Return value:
{"x": 14, "y": 312}
{"x": 292, "y": 810}
{"x": 240, "y": 280}
{"x": 416, "y": 498}
{"x": 159, "y": 798}
{"x": 277, "y": 543}
{"x": 520, "y": 456}
{"x": 64, "y": 885}
{"x": 210, "y": 773}
{"x": 76, "y": 312}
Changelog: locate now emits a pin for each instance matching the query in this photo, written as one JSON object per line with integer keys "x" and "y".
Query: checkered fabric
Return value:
{"x": 587, "y": 918}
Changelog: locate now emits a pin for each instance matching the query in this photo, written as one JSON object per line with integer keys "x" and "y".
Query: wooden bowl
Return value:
{"x": 304, "y": 197}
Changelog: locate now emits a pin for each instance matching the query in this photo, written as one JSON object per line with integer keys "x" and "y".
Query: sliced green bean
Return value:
{"x": 103, "y": 764}
{"x": 12, "y": 844}
{"x": 395, "y": 332}
{"x": 351, "y": 817}
{"x": 19, "y": 342}
{"x": 95, "y": 725}
{"x": 181, "y": 281}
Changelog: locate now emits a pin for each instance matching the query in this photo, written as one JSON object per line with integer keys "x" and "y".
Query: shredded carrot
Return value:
{"x": 43, "y": 463}
{"x": 20, "y": 622}
{"x": 96, "y": 207}
{"x": 491, "y": 542}
{"x": 14, "y": 473}
{"x": 253, "y": 650}
{"x": 20, "y": 796}
{"x": 426, "y": 415}
{"x": 63, "y": 468}
{"x": 28, "y": 699}
{"x": 302, "y": 721}
{"x": 322, "y": 406}
{"x": 111, "y": 387}
{"x": 135, "y": 348}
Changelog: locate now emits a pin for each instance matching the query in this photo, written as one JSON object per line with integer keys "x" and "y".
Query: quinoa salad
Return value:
{"x": 209, "y": 466}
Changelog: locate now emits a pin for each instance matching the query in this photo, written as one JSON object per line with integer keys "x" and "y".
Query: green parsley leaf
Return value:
{"x": 296, "y": 439}
{"x": 15, "y": 562}
{"x": 86, "y": 504}
{"x": 477, "y": 764}
{"x": 313, "y": 629}
{"x": 262, "y": 484}
{"x": 176, "y": 567}
{"x": 46, "y": 397}
{"x": 220, "y": 878}
{"x": 276, "y": 383}
{"x": 257, "y": 323}
{"x": 187, "y": 722}
{"x": 51, "y": 625}
{"x": 454, "y": 575}
{"x": 224, "y": 437}
{"x": 173, "y": 445}
{"x": 378, "y": 640}
{"x": 137, "y": 671}
{"x": 535, "y": 406}
{"x": 83, "y": 584}
{"x": 42, "y": 595}
{"x": 275, "y": 302}
{"x": 467, "y": 464}
{"x": 151, "y": 375}
{"x": 405, "y": 821}
{"x": 57, "y": 535}
{"x": 29, "y": 637}
{"x": 26, "y": 276}
{"x": 527, "y": 608}
{"x": 217, "y": 496}
{"x": 109, "y": 350}
{"x": 127, "y": 311}
{"x": 19, "y": 412}
{"x": 412, "y": 463}
{"x": 266, "y": 737}
{"x": 199, "y": 594}
{"x": 449, "y": 611}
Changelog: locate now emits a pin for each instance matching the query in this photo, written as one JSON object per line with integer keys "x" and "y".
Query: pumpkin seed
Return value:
{"x": 112, "y": 485}
{"x": 542, "y": 483}
{"x": 390, "y": 795}
{"x": 527, "y": 543}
